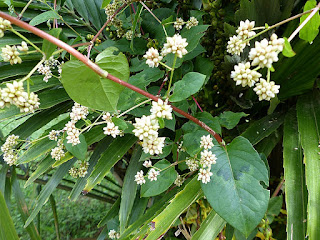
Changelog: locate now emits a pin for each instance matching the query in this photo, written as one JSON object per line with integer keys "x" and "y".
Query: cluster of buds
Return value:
{"x": 12, "y": 55}
{"x": 46, "y": 68}
{"x": 262, "y": 55}
{"x": 80, "y": 170}
{"x": 14, "y": 94}
{"x": 111, "y": 129}
{"x": 113, "y": 234}
{"x": 4, "y": 25}
{"x": 9, "y": 154}
{"x": 176, "y": 45}
{"x": 192, "y": 22}
{"x": 57, "y": 153}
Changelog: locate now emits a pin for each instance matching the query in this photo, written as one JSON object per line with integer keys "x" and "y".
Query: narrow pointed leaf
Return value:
{"x": 8, "y": 231}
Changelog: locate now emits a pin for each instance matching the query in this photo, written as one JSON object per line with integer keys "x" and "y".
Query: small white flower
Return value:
{"x": 57, "y": 153}
{"x": 161, "y": 109}
{"x": 152, "y": 174}
{"x": 78, "y": 112}
{"x": 23, "y": 47}
{"x": 276, "y": 42}
{"x": 113, "y": 234}
{"x": 179, "y": 181}
{"x": 4, "y": 25}
{"x": 111, "y": 129}
{"x": 153, "y": 146}
{"x": 73, "y": 172}
{"x": 192, "y": 22}
{"x": 139, "y": 178}
{"x": 245, "y": 30}
{"x": 178, "y": 24}
{"x": 206, "y": 142}
{"x": 153, "y": 57}
{"x": 83, "y": 169}
{"x": 147, "y": 164}
{"x": 176, "y": 45}
{"x": 146, "y": 128}
{"x": 72, "y": 133}
{"x": 263, "y": 54}
{"x": 207, "y": 159}
{"x": 29, "y": 104}
{"x": 204, "y": 175}
{"x": 244, "y": 76}
{"x": 53, "y": 135}
{"x": 11, "y": 55}
{"x": 235, "y": 45}
{"x": 128, "y": 35}
{"x": 107, "y": 117}
{"x": 10, "y": 142}
{"x": 266, "y": 90}
{"x": 45, "y": 70}
{"x": 10, "y": 157}
{"x": 192, "y": 164}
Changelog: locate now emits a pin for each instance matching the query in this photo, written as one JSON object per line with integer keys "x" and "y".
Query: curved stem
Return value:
{"x": 102, "y": 72}
{"x": 33, "y": 70}
{"x": 171, "y": 75}
{"x": 27, "y": 40}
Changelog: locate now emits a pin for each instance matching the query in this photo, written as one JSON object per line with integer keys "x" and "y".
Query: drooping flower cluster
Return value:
{"x": 111, "y": 128}
{"x": 10, "y": 54}
{"x": 4, "y": 25}
{"x": 9, "y": 153}
{"x": 263, "y": 54}
{"x": 80, "y": 170}
{"x": 113, "y": 234}
{"x": 14, "y": 94}
{"x": 47, "y": 67}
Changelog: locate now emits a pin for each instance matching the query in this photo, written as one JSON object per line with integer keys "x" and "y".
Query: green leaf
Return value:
{"x": 48, "y": 189}
{"x": 105, "y": 3}
{"x": 43, "y": 17}
{"x": 8, "y": 231}
{"x": 177, "y": 206}
{"x": 113, "y": 212}
{"x": 79, "y": 150}
{"x": 165, "y": 180}
{"x": 207, "y": 118}
{"x": 88, "y": 88}
{"x": 66, "y": 158}
{"x": 210, "y": 227}
{"x": 310, "y": 31}
{"x": 23, "y": 208}
{"x": 129, "y": 188}
{"x": 120, "y": 123}
{"x": 263, "y": 128}
{"x": 52, "y": 97}
{"x": 308, "y": 112}
{"x": 295, "y": 185}
{"x": 230, "y": 119}
{"x": 47, "y": 47}
{"x": 274, "y": 207}
{"x": 134, "y": 25}
{"x": 3, "y": 176}
{"x": 193, "y": 35}
{"x": 190, "y": 84}
{"x": 110, "y": 157}
{"x": 191, "y": 141}
{"x": 234, "y": 191}
{"x": 287, "y": 50}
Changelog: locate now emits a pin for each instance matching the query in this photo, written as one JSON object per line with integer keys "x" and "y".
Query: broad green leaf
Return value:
{"x": 66, "y": 158}
{"x": 274, "y": 207}
{"x": 129, "y": 188}
{"x": 48, "y": 47}
{"x": 177, "y": 206}
{"x": 8, "y": 231}
{"x": 295, "y": 188}
{"x": 193, "y": 35}
{"x": 166, "y": 178}
{"x": 52, "y": 97}
{"x": 109, "y": 158}
{"x": 210, "y": 227}
{"x": 120, "y": 123}
{"x": 207, "y": 118}
{"x": 266, "y": 145}
{"x": 308, "y": 112}
{"x": 310, "y": 31}
{"x": 263, "y": 128}
{"x": 23, "y": 208}
{"x": 49, "y": 188}
{"x": 234, "y": 191}
{"x": 191, "y": 141}
{"x": 88, "y": 88}
{"x": 287, "y": 50}
{"x": 230, "y": 119}
{"x": 43, "y": 17}
{"x": 79, "y": 150}
{"x": 190, "y": 84}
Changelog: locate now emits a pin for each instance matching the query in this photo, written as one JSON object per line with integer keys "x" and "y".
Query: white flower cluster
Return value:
{"x": 111, "y": 128}
{"x": 206, "y": 142}
{"x": 176, "y": 45}
{"x": 179, "y": 181}
{"x": 54, "y": 135}
{"x": 147, "y": 163}
{"x": 128, "y": 35}
{"x": 14, "y": 94}
{"x": 24, "y": 47}
{"x": 178, "y": 24}
{"x": 80, "y": 170}
{"x": 113, "y": 234}
{"x": 146, "y": 128}
{"x": 9, "y": 154}
{"x": 11, "y": 55}
{"x": 139, "y": 178}
{"x": 152, "y": 174}
{"x": 206, "y": 160}
{"x": 192, "y": 22}
{"x": 153, "y": 57}
{"x": 57, "y": 153}
{"x": 192, "y": 164}
{"x": 237, "y": 43}
{"x": 45, "y": 68}
{"x": 266, "y": 90}
{"x": 244, "y": 76}
{"x": 78, "y": 112}
{"x": 4, "y": 25}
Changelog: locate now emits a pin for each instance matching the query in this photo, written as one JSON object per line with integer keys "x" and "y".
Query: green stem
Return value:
{"x": 166, "y": 66}
{"x": 171, "y": 76}
{"x": 27, "y": 40}
{"x": 24, "y": 9}
{"x": 268, "y": 75}
{"x": 33, "y": 70}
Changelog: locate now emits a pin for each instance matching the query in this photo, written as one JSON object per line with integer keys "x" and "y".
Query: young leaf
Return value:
{"x": 120, "y": 123}
{"x": 190, "y": 84}
{"x": 287, "y": 50}
{"x": 165, "y": 180}
{"x": 8, "y": 231}
{"x": 105, "y": 3}
{"x": 79, "y": 150}
{"x": 308, "y": 112}
{"x": 310, "y": 31}
{"x": 235, "y": 191}
{"x": 43, "y": 17}
{"x": 48, "y": 47}
{"x": 230, "y": 119}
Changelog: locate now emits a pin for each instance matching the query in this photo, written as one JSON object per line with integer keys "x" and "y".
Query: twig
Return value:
{"x": 195, "y": 100}
{"x": 278, "y": 188}
{"x": 102, "y": 72}
{"x": 24, "y": 9}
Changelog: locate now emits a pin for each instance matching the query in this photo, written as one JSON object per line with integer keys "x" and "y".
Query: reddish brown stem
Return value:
{"x": 100, "y": 71}
{"x": 195, "y": 100}
{"x": 103, "y": 27}
{"x": 276, "y": 192}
